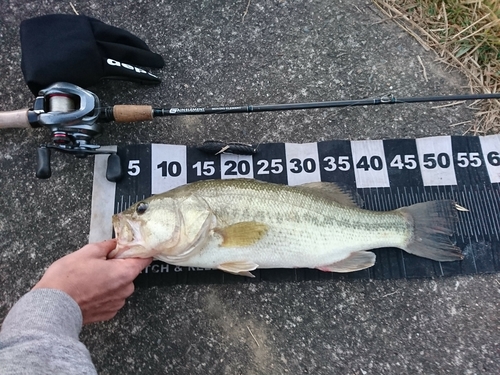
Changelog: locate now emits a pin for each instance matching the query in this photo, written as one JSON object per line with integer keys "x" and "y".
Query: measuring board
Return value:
{"x": 386, "y": 174}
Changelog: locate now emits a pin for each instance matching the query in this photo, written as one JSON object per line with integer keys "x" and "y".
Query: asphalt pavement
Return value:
{"x": 250, "y": 52}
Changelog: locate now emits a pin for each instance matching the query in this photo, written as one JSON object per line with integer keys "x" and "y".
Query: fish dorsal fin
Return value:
{"x": 355, "y": 262}
{"x": 333, "y": 192}
{"x": 241, "y": 268}
{"x": 241, "y": 234}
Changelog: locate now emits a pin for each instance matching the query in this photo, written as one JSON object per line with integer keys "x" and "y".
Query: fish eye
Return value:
{"x": 141, "y": 208}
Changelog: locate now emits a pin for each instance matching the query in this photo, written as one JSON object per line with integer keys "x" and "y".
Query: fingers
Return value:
{"x": 129, "y": 269}
{"x": 108, "y": 309}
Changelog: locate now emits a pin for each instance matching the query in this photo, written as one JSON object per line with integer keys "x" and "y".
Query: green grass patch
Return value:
{"x": 464, "y": 34}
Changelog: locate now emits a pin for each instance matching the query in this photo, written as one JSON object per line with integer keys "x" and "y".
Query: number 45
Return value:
{"x": 409, "y": 162}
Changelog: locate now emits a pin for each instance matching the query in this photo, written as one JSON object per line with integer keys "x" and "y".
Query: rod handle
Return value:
{"x": 132, "y": 113}
{"x": 14, "y": 119}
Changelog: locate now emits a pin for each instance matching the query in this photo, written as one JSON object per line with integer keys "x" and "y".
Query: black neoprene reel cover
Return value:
{"x": 82, "y": 50}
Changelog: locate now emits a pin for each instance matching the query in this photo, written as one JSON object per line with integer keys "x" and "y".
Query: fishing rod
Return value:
{"x": 75, "y": 118}
{"x": 120, "y": 113}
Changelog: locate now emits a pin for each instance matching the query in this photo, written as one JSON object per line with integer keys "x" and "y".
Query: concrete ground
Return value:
{"x": 250, "y": 52}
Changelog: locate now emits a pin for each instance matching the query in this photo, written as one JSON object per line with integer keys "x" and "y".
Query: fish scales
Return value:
{"x": 241, "y": 224}
{"x": 301, "y": 220}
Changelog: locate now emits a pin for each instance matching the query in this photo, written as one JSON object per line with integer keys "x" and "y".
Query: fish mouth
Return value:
{"x": 130, "y": 242}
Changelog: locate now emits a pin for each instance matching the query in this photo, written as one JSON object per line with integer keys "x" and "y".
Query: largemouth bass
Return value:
{"x": 239, "y": 225}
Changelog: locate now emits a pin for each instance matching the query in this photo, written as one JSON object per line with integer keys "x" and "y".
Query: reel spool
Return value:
{"x": 61, "y": 102}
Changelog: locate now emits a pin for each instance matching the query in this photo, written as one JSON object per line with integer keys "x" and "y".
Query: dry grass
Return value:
{"x": 465, "y": 34}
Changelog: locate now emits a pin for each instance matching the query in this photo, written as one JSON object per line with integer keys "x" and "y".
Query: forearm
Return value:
{"x": 40, "y": 335}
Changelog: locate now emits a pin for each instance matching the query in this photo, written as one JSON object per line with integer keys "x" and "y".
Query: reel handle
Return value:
{"x": 43, "y": 162}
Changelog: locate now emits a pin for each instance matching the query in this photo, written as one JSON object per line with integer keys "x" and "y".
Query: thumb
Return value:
{"x": 100, "y": 249}
{"x": 136, "y": 265}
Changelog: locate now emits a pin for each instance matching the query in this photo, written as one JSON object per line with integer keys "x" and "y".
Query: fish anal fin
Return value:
{"x": 334, "y": 192}
{"x": 240, "y": 268}
{"x": 355, "y": 262}
{"x": 242, "y": 234}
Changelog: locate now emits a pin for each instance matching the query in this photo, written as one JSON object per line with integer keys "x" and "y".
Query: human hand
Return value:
{"x": 99, "y": 285}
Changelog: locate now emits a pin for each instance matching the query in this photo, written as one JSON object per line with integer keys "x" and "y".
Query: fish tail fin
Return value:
{"x": 433, "y": 224}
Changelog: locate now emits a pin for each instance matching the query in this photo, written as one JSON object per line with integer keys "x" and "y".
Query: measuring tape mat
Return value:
{"x": 386, "y": 174}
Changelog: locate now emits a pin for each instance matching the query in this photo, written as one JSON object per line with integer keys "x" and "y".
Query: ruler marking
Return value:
{"x": 473, "y": 204}
{"x": 390, "y": 204}
{"x": 458, "y": 227}
{"x": 490, "y": 222}
{"x": 495, "y": 215}
{"x": 383, "y": 202}
{"x": 394, "y": 200}
{"x": 388, "y": 201}
{"x": 422, "y": 194}
{"x": 373, "y": 200}
{"x": 405, "y": 196}
{"x": 388, "y": 198}
{"x": 480, "y": 217}
{"x": 468, "y": 216}
{"x": 483, "y": 216}
{"x": 377, "y": 195}
{"x": 439, "y": 192}
{"x": 461, "y": 226}
{"x": 471, "y": 217}
{"x": 368, "y": 201}
{"x": 400, "y": 204}
{"x": 413, "y": 201}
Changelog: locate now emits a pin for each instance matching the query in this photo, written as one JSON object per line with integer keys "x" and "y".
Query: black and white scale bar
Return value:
{"x": 386, "y": 174}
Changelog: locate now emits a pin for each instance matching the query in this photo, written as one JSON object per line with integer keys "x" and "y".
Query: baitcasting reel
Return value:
{"x": 71, "y": 113}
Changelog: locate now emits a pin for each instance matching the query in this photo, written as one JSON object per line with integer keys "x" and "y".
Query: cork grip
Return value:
{"x": 132, "y": 113}
{"x": 14, "y": 119}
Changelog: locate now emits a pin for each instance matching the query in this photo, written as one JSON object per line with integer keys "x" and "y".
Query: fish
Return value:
{"x": 239, "y": 225}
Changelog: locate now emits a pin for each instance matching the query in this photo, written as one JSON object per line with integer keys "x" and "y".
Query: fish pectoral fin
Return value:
{"x": 242, "y": 234}
{"x": 240, "y": 268}
{"x": 355, "y": 262}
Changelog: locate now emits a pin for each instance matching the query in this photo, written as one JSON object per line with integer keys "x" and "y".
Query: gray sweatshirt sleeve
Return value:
{"x": 40, "y": 336}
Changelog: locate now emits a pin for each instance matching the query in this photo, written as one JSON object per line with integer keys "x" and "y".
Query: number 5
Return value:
{"x": 133, "y": 167}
